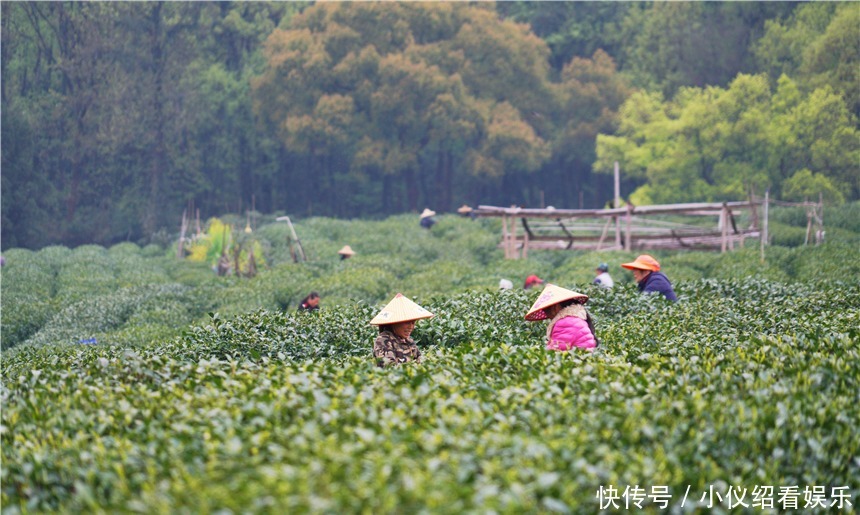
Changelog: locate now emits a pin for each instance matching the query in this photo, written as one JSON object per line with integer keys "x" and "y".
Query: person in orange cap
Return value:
{"x": 646, "y": 271}
{"x": 396, "y": 321}
{"x": 570, "y": 325}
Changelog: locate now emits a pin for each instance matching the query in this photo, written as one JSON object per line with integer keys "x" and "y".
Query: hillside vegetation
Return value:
{"x": 204, "y": 393}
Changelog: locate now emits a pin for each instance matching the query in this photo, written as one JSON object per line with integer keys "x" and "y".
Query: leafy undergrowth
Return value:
{"x": 744, "y": 382}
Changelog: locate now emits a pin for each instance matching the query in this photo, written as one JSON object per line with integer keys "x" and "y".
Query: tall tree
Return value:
{"x": 817, "y": 45}
{"x": 668, "y": 45}
{"x": 130, "y": 110}
{"x": 592, "y": 93}
{"x": 420, "y": 106}
{"x": 571, "y": 29}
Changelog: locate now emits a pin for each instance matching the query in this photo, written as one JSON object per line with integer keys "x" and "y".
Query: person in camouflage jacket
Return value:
{"x": 396, "y": 321}
{"x": 393, "y": 349}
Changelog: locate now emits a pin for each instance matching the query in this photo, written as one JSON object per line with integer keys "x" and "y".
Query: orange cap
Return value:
{"x": 643, "y": 262}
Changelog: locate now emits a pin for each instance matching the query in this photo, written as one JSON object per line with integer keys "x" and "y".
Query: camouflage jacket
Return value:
{"x": 388, "y": 349}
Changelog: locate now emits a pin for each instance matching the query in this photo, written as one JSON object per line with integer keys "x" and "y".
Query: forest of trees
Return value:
{"x": 117, "y": 116}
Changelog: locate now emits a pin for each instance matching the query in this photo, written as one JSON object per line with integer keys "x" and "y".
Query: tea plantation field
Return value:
{"x": 133, "y": 382}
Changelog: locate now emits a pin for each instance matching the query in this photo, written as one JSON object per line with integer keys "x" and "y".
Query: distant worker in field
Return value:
{"x": 427, "y": 220}
{"x": 570, "y": 325}
{"x": 396, "y": 321}
{"x": 465, "y": 210}
{"x": 532, "y": 281}
{"x": 603, "y": 279}
{"x": 311, "y": 302}
{"x": 223, "y": 267}
{"x": 346, "y": 252}
{"x": 505, "y": 284}
{"x": 646, "y": 271}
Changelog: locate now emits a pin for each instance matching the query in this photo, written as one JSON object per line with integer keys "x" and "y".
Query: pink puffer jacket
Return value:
{"x": 569, "y": 332}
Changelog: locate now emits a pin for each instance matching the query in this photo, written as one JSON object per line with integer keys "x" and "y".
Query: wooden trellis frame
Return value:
{"x": 589, "y": 229}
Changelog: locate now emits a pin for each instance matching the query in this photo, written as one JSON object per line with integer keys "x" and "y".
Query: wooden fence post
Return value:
{"x": 513, "y": 238}
{"x": 764, "y": 231}
{"x": 627, "y": 235}
{"x": 525, "y": 244}
{"x": 819, "y": 219}
{"x": 616, "y": 204}
{"x": 180, "y": 247}
{"x": 505, "y": 235}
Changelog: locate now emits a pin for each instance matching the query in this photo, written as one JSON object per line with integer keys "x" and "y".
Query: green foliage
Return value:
{"x": 846, "y": 216}
{"x": 209, "y": 394}
{"x": 805, "y": 185}
{"x": 286, "y": 412}
{"x": 376, "y": 109}
{"x": 59, "y": 295}
{"x": 671, "y": 45}
{"x": 377, "y": 95}
{"x": 210, "y": 245}
{"x": 714, "y": 144}
{"x": 811, "y": 46}
{"x": 393, "y": 255}
{"x": 571, "y": 29}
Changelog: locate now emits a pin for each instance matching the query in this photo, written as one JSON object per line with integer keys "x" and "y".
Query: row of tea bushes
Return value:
{"x": 456, "y": 256}
{"x": 58, "y": 295}
{"x": 742, "y": 383}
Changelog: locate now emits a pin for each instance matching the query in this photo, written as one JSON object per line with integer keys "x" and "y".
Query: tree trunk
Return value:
{"x": 157, "y": 164}
{"x": 446, "y": 186}
{"x": 439, "y": 200}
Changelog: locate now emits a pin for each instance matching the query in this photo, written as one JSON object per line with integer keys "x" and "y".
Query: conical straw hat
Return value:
{"x": 551, "y": 295}
{"x": 464, "y": 209}
{"x": 346, "y": 251}
{"x": 400, "y": 309}
{"x": 427, "y": 212}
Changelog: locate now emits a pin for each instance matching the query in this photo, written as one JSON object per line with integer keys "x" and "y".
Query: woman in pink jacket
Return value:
{"x": 570, "y": 325}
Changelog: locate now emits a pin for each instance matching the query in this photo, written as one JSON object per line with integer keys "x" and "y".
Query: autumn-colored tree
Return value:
{"x": 429, "y": 95}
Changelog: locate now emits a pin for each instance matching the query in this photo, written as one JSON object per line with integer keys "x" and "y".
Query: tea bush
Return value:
{"x": 457, "y": 255}
{"x": 213, "y": 394}
{"x": 740, "y": 383}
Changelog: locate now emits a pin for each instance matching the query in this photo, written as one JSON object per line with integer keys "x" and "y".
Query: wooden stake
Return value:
{"x": 603, "y": 235}
{"x": 505, "y": 236}
{"x": 180, "y": 248}
{"x": 627, "y": 235}
{"x": 764, "y": 231}
{"x": 525, "y": 245}
{"x": 616, "y": 203}
{"x": 513, "y": 239}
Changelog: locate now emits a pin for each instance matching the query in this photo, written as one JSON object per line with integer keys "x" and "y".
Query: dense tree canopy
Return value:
{"x": 117, "y": 116}
{"x": 669, "y": 45}
{"x": 411, "y": 98}
{"x": 720, "y": 144}
{"x": 818, "y": 45}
